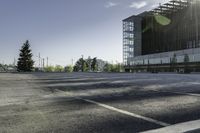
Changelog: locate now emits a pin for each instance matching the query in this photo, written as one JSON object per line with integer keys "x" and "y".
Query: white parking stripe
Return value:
{"x": 126, "y": 112}
{"x": 178, "y": 128}
{"x": 118, "y": 110}
{"x": 182, "y": 93}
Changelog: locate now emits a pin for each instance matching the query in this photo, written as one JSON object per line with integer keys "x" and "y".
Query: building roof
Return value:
{"x": 172, "y": 6}
{"x": 164, "y": 9}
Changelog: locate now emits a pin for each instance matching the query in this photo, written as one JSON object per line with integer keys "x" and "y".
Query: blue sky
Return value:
{"x": 66, "y": 29}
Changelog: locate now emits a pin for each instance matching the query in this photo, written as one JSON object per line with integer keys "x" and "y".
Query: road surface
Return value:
{"x": 99, "y": 102}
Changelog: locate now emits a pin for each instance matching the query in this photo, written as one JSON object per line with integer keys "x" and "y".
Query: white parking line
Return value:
{"x": 178, "y": 128}
{"x": 190, "y": 94}
{"x": 182, "y": 93}
{"x": 118, "y": 110}
{"x": 126, "y": 112}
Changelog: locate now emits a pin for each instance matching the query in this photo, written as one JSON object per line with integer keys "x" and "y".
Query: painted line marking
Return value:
{"x": 118, "y": 110}
{"x": 126, "y": 112}
{"x": 178, "y": 128}
{"x": 182, "y": 93}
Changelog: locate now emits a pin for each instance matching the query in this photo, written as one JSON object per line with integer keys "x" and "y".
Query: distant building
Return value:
{"x": 2, "y": 68}
{"x": 151, "y": 40}
{"x": 7, "y": 68}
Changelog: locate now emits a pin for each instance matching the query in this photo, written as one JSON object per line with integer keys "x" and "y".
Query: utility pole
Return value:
{"x": 39, "y": 61}
{"x": 47, "y": 61}
{"x": 14, "y": 63}
{"x": 43, "y": 63}
{"x": 82, "y": 63}
{"x": 89, "y": 59}
{"x": 72, "y": 62}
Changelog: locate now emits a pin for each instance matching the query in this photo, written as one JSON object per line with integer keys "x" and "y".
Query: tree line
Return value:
{"x": 26, "y": 64}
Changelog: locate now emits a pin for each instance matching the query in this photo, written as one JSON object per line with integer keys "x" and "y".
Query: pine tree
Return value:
{"x": 186, "y": 61}
{"x": 173, "y": 62}
{"x": 94, "y": 64}
{"x": 25, "y": 62}
{"x": 80, "y": 65}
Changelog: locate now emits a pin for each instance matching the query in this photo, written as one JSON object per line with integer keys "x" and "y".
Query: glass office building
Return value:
{"x": 156, "y": 36}
{"x": 131, "y": 39}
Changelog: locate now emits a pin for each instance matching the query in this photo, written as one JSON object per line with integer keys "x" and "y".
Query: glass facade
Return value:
{"x": 158, "y": 59}
{"x": 154, "y": 37}
{"x": 128, "y": 41}
{"x": 175, "y": 28}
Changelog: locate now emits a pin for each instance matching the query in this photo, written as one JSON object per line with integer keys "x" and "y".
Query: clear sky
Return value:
{"x": 66, "y": 29}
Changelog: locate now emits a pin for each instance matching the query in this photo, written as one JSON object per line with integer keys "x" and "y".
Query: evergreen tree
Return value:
{"x": 173, "y": 62}
{"x": 80, "y": 65}
{"x": 174, "y": 59}
{"x": 186, "y": 61}
{"x": 25, "y": 62}
{"x": 89, "y": 63}
{"x": 84, "y": 67}
{"x": 94, "y": 64}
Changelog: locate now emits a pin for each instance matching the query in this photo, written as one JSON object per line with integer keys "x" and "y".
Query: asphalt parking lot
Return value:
{"x": 99, "y": 102}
